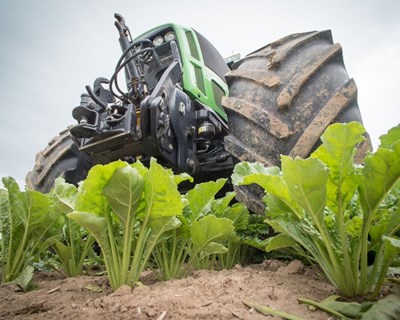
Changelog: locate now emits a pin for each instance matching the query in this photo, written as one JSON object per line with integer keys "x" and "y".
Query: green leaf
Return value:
{"x": 339, "y": 309}
{"x": 48, "y": 242}
{"x": 161, "y": 226}
{"x": 354, "y": 226}
{"x": 338, "y": 147}
{"x": 37, "y": 209}
{"x": 90, "y": 197}
{"x": 124, "y": 191}
{"x": 244, "y": 169}
{"x": 11, "y": 185}
{"x": 337, "y": 152}
{"x": 161, "y": 193}
{"x": 65, "y": 194}
{"x": 388, "y": 139}
{"x": 72, "y": 243}
{"x": 339, "y": 140}
{"x": 64, "y": 253}
{"x": 24, "y": 278}
{"x": 391, "y": 250}
{"x": 255, "y": 243}
{"x": 210, "y": 229}
{"x": 214, "y": 248}
{"x": 33, "y": 209}
{"x": 179, "y": 178}
{"x": 140, "y": 167}
{"x": 220, "y": 205}
{"x": 306, "y": 181}
{"x": 95, "y": 224}
{"x": 278, "y": 198}
{"x": 387, "y": 308}
{"x": 279, "y": 241}
{"x": 302, "y": 234}
{"x": 268, "y": 311}
{"x": 380, "y": 174}
{"x": 201, "y": 197}
{"x": 393, "y": 242}
{"x": 183, "y": 231}
{"x": 239, "y": 215}
{"x": 388, "y": 222}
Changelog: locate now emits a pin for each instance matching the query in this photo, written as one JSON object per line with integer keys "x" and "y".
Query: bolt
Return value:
{"x": 83, "y": 120}
{"x": 190, "y": 162}
{"x": 181, "y": 107}
{"x": 164, "y": 94}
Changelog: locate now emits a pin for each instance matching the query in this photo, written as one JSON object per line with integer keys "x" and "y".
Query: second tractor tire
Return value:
{"x": 281, "y": 99}
{"x": 61, "y": 158}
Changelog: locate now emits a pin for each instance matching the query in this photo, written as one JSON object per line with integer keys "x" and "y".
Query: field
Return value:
{"x": 202, "y": 295}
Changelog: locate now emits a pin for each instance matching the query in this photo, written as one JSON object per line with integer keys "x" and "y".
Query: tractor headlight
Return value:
{"x": 158, "y": 40}
{"x": 169, "y": 36}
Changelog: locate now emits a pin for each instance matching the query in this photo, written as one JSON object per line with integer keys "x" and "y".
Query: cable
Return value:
{"x": 121, "y": 65}
{"x": 95, "y": 98}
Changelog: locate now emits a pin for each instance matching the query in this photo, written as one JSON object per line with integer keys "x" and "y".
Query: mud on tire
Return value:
{"x": 281, "y": 99}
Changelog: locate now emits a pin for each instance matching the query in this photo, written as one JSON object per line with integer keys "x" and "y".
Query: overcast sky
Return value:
{"x": 51, "y": 49}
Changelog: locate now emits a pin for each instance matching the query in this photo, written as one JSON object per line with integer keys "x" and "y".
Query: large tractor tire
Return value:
{"x": 281, "y": 99}
{"x": 61, "y": 158}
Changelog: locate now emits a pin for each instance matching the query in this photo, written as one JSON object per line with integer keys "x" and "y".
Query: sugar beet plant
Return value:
{"x": 128, "y": 209}
{"x": 26, "y": 220}
{"x": 73, "y": 244}
{"x": 207, "y": 237}
{"x": 337, "y": 214}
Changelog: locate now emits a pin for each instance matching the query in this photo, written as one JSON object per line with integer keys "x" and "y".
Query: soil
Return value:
{"x": 203, "y": 295}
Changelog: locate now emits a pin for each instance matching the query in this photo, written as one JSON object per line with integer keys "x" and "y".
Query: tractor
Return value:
{"x": 173, "y": 97}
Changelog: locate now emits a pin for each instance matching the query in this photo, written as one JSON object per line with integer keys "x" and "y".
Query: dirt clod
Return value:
{"x": 294, "y": 267}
